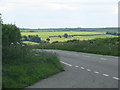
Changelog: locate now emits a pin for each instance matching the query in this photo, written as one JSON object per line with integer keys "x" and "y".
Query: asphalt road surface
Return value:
{"x": 82, "y": 70}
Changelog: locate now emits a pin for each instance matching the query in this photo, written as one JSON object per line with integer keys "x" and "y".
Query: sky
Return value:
{"x": 60, "y": 13}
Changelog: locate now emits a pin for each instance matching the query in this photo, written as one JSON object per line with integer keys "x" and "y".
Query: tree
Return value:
{"x": 48, "y": 39}
{"x": 65, "y": 35}
{"x": 59, "y": 36}
{"x": 37, "y": 39}
{"x": 10, "y": 34}
{"x": 33, "y": 38}
{"x": 1, "y": 19}
{"x": 24, "y": 38}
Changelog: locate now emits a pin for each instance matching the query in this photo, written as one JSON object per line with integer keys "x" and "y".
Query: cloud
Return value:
{"x": 58, "y": 11}
{"x": 54, "y": 6}
{"x": 8, "y": 5}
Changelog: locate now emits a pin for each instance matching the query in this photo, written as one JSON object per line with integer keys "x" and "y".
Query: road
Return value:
{"x": 82, "y": 70}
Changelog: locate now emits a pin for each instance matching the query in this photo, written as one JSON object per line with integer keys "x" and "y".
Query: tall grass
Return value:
{"x": 104, "y": 46}
{"x": 23, "y": 67}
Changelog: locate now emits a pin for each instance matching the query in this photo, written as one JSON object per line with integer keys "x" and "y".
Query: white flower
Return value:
{"x": 23, "y": 45}
{"x": 12, "y": 43}
{"x": 18, "y": 43}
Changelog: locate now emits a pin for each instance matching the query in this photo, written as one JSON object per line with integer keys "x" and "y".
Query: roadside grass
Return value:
{"x": 23, "y": 67}
{"x": 30, "y": 43}
{"x": 104, "y": 46}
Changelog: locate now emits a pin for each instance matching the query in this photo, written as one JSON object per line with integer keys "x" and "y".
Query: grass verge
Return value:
{"x": 22, "y": 67}
{"x": 104, "y": 46}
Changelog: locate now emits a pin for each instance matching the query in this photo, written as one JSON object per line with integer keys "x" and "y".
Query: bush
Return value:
{"x": 55, "y": 42}
{"x": 10, "y": 34}
{"x": 65, "y": 35}
{"x": 72, "y": 40}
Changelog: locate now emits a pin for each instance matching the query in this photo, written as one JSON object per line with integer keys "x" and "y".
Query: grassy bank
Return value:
{"x": 23, "y": 67}
{"x": 104, "y": 46}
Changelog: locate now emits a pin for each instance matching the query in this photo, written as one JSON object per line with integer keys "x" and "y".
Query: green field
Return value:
{"x": 45, "y": 35}
{"x": 110, "y": 29}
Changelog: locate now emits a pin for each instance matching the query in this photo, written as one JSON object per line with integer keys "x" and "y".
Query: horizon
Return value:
{"x": 68, "y": 27}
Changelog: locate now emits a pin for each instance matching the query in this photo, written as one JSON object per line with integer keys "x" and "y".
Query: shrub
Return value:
{"x": 55, "y": 42}
{"x": 10, "y": 34}
{"x": 72, "y": 40}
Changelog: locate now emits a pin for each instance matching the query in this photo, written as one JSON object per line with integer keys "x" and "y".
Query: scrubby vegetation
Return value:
{"x": 104, "y": 46}
{"x": 21, "y": 65}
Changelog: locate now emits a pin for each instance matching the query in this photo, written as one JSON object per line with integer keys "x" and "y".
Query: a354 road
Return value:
{"x": 82, "y": 70}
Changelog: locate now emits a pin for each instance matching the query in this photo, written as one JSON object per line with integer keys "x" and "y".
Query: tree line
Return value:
{"x": 34, "y": 38}
{"x": 67, "y": 36}
{"x": 113, "y": 33}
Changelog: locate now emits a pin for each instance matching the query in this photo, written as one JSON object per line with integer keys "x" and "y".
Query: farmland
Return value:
{"x": 112, "y": 29}
{"x": 88, "y": 35}
{"x": 95, "y": 41}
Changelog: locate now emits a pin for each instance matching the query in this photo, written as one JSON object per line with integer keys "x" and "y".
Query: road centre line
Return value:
{"x": 82, "y": 67}
{"x": 105, "y": 75}
{"x": 103, "y": 58}
{"x": 96, "y": 72}
{"x": 86, "y": 56}
{"x": 66, "y": 63}
{"x": 90, "y": 70}
{"x": 76, "y": 66}
{"x": 116, "y": 78}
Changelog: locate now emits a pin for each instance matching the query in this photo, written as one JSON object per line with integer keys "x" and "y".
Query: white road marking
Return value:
{"x": 103, "y": 58}
{"x": 66, "y": 63}
{"x": 76, "y": 66}
{"x": 88, "y": 70}
{"x": 82, "y": 67}
{"x": 96, "y": 72}
{"x": 86, "y": 56}
{"x": 105, "y": 75}
{"x": 116, "y": 78}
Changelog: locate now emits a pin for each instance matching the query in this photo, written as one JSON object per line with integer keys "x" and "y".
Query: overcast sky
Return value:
{"x": 60, "y": 13}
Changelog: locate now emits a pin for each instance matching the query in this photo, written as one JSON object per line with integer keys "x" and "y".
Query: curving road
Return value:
{"x": 82, "y": 70}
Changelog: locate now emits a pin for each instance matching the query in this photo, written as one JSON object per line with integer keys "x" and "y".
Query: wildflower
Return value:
{"x": 23, "y": 45}
{"x": 18, "y": 43}
{"x": 12, "y": 43}
{"x": 117, "y": 42}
